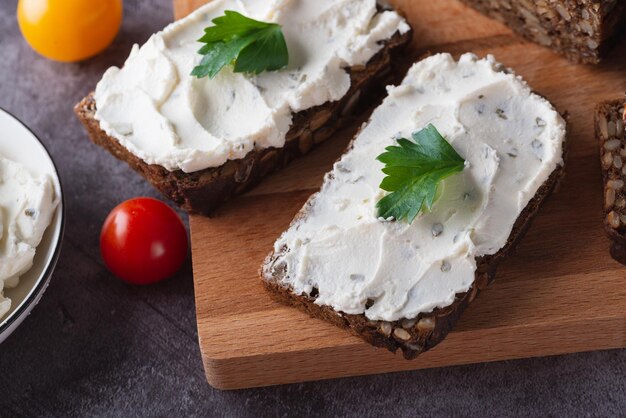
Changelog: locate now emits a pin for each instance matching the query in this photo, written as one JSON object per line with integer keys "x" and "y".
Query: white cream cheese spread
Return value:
{"x": 511, "y": 139}
{"x": 163, "y": 115}
{"x": 27, "y": 204}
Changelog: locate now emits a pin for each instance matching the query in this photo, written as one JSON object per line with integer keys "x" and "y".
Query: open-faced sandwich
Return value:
{"x": 216, "y": 101}
{"x": 433, "y": 192}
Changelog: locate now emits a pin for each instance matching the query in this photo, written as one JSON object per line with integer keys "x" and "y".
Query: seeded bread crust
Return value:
{"x": 611, "y": 136}
{"x": 582, "y": 30}
{"x": 202, "y": 191}
{"x": 412, "y": 336}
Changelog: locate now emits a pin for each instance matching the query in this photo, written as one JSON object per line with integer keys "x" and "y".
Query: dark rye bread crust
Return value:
{"x": 582, "y": 30}
{"x": 202, "y": 191}
{"x": 611, "y": 137}
{"x": 418, "y": 335}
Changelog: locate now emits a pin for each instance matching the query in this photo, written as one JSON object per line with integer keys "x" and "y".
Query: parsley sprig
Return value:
{"x": 252, "y": 46}
{"x": 413, "y": 171}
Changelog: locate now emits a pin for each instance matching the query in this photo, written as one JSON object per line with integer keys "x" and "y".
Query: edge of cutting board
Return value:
{"x": 573, "y": 300}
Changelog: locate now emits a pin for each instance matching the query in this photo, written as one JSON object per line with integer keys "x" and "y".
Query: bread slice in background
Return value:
{"x": 611, "y": 137}
{"x": 583, "y": 31}
{"x": 417, "y": 333}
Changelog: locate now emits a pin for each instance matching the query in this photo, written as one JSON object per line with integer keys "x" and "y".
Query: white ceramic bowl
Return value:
{"x": 19, "y": 144}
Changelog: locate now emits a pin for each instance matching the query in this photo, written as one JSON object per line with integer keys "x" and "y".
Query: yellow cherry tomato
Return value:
{"x": 69, "y": 30}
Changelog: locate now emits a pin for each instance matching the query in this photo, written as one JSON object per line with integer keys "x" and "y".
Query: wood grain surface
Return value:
{"x": 560, "y": 293}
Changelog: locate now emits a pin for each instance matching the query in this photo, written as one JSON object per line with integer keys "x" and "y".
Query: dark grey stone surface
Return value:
{"x": 95, "y": 346}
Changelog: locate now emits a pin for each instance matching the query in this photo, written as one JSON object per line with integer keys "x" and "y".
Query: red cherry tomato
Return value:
{"x": 143, "y": 241}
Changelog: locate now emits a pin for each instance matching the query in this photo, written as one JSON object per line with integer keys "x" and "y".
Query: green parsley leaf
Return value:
{"x": 414, "y": 171}
{"x": 252, "y": 46}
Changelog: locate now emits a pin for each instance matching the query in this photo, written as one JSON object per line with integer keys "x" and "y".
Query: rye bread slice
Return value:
{"x": 420, "y": 334}
{"x": 583, "y": 31}
{"x": 611, "y": 136}
{"x": 202, "y": 191}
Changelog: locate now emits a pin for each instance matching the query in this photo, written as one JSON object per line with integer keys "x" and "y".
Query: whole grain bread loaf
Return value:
{"x": 582, "y": 30}
{"x": 611, "y": 136}
{"x": 417, "y": 335}
{"x": 202, "y": 191}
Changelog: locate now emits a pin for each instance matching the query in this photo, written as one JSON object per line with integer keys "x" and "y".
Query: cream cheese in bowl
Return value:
{"x": 31, "y": 221}
{"x": 27, "y": 204}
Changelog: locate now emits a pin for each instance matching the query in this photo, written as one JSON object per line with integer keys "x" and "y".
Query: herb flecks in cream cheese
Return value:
{"x": 165, "y": 116}
{"x": 27, "y": 204}
{"x": 404, "y": 270}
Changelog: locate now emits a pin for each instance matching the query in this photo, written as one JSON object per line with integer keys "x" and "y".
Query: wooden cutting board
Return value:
{"x": 560, "y": 293}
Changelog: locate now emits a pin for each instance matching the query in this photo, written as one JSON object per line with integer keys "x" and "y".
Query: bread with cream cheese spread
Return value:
{"x": 610, "y": 122}
{"x": 583, "y": 30}
{"x": 203, "y": 190}
{"x": 306, "y": 267}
